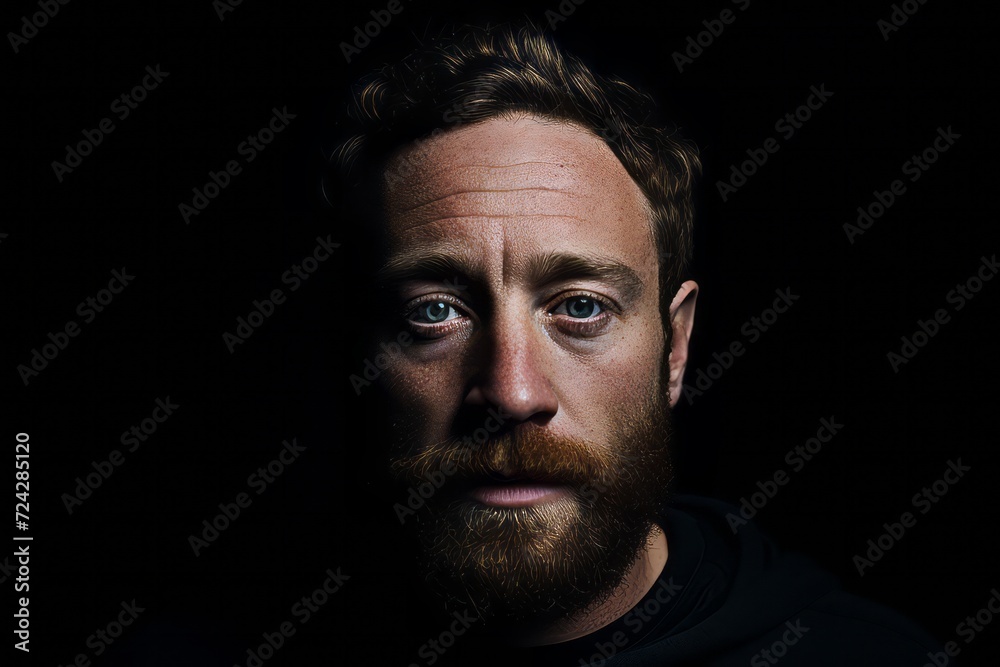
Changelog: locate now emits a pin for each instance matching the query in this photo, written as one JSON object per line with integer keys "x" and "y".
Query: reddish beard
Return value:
{"x": 547, "y": 561}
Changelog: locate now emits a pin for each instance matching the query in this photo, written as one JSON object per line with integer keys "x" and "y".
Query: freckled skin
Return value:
{"x": 497, "y": 195}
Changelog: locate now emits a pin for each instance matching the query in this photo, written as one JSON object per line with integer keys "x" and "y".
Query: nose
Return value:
{"x": 511, "y": 372}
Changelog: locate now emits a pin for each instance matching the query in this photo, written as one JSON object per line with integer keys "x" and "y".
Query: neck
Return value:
{"x": 638, "y": 581}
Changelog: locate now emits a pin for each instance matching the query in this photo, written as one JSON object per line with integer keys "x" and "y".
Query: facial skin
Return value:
{"x": 522, "y": 260}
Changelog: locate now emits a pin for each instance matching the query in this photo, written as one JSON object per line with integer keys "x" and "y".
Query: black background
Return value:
{"x": 162, "y": 336}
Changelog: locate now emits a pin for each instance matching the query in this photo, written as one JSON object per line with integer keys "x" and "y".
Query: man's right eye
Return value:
{"x": 437, "y": 315}
{"x": 433, "y": 312}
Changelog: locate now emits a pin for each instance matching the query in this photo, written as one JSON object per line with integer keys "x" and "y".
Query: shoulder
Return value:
{"x": 840, "y": 629}
{"x": 779, "y": 605}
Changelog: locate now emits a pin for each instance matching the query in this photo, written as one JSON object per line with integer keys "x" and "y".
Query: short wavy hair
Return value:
{"x": 470, "y": 73}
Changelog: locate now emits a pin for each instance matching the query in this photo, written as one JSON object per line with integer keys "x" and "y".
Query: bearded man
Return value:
{"x": 533, "y": 232}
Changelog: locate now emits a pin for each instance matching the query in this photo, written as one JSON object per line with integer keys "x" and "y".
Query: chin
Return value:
{"x": 527, "y": 565}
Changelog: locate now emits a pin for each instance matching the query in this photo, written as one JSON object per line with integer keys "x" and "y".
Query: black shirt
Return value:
{"x": 735, "y": 599}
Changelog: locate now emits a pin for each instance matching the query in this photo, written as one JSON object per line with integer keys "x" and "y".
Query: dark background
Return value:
{"x": 162, "y": 336}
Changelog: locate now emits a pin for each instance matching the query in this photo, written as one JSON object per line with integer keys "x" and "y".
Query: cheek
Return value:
{"x": 646, "y": 356}
{"x": 594, "y": 389}
{"x": 426, "y": 387}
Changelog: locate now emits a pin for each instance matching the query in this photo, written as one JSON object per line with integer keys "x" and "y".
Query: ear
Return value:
{"x": 681, "y": 323}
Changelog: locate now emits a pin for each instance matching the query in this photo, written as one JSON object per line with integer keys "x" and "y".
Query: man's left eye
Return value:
{"x": 579, "y": 307}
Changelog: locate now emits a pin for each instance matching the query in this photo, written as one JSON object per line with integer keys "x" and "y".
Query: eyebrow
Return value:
{"x": 416, "y": 265}
{"x": 542, "y": 270}
{"x": 560, "y": 266}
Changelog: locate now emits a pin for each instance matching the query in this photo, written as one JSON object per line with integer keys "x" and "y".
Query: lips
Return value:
{"x": 517, "y": 495}
{"x": 517, "y": 491}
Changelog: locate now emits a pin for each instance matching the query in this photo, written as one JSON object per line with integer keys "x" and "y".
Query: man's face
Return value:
{"x": 523, "y": 264}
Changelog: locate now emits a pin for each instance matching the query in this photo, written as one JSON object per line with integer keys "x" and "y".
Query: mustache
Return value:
{"x": 535, "y": 455}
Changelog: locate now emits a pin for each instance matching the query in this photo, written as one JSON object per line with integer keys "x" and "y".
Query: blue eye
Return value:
{"x": 579, "y": 307}
{"x": 433, "y": 312}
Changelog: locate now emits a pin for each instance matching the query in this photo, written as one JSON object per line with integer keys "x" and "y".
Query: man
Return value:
{"x": 534, "y": 313}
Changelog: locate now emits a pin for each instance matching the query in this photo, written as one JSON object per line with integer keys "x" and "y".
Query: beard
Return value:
{"x": 545, "y": 562}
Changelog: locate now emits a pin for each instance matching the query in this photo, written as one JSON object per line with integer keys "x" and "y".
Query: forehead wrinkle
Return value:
{"x": 536, "y": 175}
{"x": 520, "y": 203}
{"x": 440, "y": 167}
{"x": 428, "y": 157}
{"x": 494, "y": 216}
{"x": 516, "y": 164}
{"x": 459, "y": 193}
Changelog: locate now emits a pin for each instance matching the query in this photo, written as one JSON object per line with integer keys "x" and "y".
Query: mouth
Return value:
{"x": 518, "y": 492}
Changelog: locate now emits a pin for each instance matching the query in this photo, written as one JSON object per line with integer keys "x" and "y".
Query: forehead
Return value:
{"x": 518, "y": 185}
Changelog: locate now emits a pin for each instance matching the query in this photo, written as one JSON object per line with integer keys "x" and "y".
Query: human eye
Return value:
{"x": 583, "y": 314}
{"x": 435, "y": 315}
